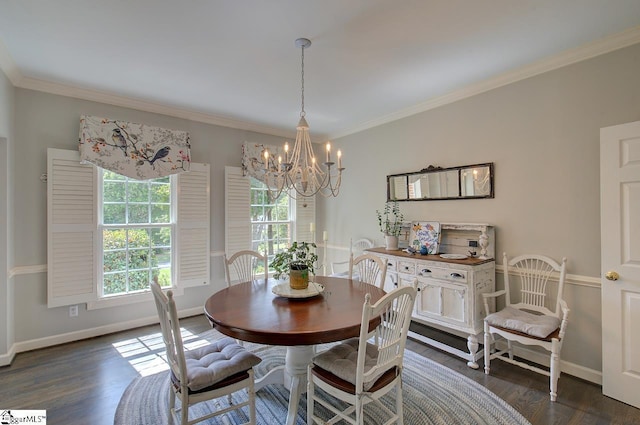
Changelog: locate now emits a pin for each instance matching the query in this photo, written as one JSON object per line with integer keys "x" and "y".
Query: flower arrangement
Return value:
{"x": 298, "y": 256}
{"x": 390, "y": 219}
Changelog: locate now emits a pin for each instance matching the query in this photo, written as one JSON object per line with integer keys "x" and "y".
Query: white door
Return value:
{"x": 620, "y": 233}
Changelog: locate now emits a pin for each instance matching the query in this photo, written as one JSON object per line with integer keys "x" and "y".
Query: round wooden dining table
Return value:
{"x": 250, "y": 311}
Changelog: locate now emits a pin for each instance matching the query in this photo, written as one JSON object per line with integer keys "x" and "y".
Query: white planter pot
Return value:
{"x": 391, "y": 242}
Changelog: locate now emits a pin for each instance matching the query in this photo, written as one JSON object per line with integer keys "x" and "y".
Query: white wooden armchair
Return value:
{"x": 539, "y": 317}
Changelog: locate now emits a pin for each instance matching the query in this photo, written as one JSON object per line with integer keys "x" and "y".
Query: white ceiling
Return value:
{"x": 234, "y": 62}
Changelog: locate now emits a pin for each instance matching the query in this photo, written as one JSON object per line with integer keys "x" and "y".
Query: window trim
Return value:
{"x": 99, "y": 247}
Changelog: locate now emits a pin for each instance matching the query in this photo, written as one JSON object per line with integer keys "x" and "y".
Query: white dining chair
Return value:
{"x": 359, "y": 371}
{"x": 538, "y": 317}
{"x": 341, "y": 268}
{"x": 246, "y": 266}
{"x": 217, "y": 369}
{"x": 368, "y": 268}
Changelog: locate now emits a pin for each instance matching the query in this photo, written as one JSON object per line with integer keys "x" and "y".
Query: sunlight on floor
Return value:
{"x": 147, "y": 353}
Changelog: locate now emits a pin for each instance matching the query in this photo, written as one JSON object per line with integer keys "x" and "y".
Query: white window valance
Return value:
{"x": 253, "y": 159}
{"x": 137, "y": 151}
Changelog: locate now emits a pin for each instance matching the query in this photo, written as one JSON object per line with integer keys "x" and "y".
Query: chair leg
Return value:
{"x": 399, "y": 410}
{"x": 359, "y": 411}
{"x": 172, "y": 404}
{"x": 184, "y": 410}
{"x": 487, "y": 348}
{"x": 510, "y": 348}
{"x": 252, "y": 400}
{"x": 555, "y": 369}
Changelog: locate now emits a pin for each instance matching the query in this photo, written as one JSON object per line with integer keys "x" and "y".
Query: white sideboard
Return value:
{"x": 450, "y": 291}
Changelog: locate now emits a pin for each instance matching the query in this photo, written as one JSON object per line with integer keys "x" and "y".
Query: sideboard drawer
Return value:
{"x": 407, "y": 267}
{"x": 451, "y": 275}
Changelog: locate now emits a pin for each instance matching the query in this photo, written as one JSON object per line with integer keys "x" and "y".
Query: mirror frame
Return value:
{"x": 431, "y": 169}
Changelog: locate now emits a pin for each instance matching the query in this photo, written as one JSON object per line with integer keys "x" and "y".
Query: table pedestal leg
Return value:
{"x": 295, "y": 376}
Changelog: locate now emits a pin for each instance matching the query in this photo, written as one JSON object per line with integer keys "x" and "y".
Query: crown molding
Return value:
{"x": 568, "y": 57}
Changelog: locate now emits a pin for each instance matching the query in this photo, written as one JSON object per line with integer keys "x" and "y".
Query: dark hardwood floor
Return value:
{"x": 82, "y": 382}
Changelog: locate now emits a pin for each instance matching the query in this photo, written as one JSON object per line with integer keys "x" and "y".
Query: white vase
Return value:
{"x": 391, "y": 242}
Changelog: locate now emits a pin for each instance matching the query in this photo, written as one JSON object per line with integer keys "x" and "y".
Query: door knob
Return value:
{"x": 612, "y": 275}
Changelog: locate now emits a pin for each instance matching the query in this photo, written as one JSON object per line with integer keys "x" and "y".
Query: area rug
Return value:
{"x": 433, "y": 394}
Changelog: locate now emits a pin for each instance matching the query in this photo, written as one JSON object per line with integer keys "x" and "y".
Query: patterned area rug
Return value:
{"x": 433, "y": 394}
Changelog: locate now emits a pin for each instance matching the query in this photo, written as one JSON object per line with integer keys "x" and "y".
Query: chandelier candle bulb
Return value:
{"x": 266, "y": 160}
{"x": 325, "y": 236}
{"x": 339, "y": 158}
{"x": 286, "y": 153}
{"x": 312, "y": 227}
{"x": 279, "y": 163}
{"x": 328, "y": 152}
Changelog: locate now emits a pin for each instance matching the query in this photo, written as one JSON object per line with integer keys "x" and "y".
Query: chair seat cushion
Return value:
{"x": 537, "y": 325}
{"x": 217, "y": 361}
{"x": 342, "y": 359}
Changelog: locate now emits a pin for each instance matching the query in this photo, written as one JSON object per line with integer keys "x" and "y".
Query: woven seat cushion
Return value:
{"x": 217, "y": 361}
{"x": 536, "y": 325}
{"x": 341, "y": 360}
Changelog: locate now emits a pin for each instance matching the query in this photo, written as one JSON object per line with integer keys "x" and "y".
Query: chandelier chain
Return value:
{"x": 302, "y": 112}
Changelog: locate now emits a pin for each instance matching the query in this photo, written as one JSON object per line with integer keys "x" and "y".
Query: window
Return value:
{"x": 108, "y": 236}
{"x": 136, "y": 233}
{"x": 271, "y": 221}
{"x": 252, "y": 221}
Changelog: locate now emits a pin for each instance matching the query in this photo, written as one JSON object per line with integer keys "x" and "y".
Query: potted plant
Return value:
{"x": 390, "y": 222}
{"x": 297, "y": 261}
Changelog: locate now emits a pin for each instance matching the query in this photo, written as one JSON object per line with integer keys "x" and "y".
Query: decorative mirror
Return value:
{"x": 436, "y": 183}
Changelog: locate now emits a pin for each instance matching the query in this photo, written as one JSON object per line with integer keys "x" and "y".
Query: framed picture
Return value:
{"x": 425, "y": 233}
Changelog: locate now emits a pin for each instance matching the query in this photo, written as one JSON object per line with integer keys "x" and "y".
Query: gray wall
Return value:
{"x": 542, "y": 133}
{"x": 50, "y": 121}
{"x": 7, "y": 94}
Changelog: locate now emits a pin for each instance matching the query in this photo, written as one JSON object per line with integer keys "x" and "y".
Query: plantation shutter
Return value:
{"x": 71, "y": 229}
{"x": 305, "y": 215}
{"x": 193, "y": 229}
{"x": 237, "y": 211}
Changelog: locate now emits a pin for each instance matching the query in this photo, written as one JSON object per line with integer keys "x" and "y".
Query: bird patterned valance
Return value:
{"x": 253, "y": 159}
{"x": 137, "y": 151}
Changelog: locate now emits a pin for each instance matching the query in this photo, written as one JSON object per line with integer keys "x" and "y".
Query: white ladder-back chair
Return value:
{"x": 539, "y": 317}
{"x": 358, "y": 371}
{"x": 243, "y": 267}
{"x": 368, "y": 268}
{"x": 341, "y": 268}
{"x": 218, "y": 369}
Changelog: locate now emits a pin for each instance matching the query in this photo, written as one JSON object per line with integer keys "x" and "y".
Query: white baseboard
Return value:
{"x": 34, "y": 344}
{"x": 7, "y": 358}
